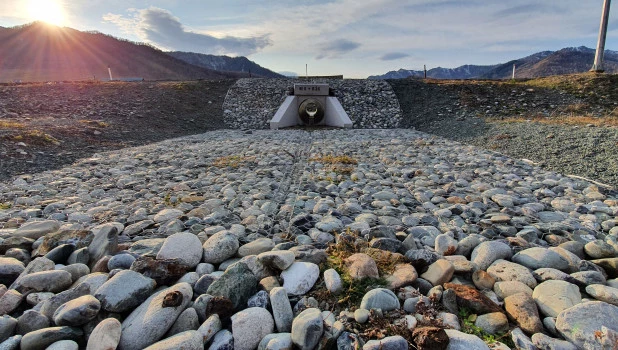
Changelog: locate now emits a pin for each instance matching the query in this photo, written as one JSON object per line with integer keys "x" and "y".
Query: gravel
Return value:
{"x": 479, "y": 113}
{"x": 272, "y": 191}
{"x": 86, "y": 118}
{"x": 252, "y": 103}
{"x": 47, "y": 126}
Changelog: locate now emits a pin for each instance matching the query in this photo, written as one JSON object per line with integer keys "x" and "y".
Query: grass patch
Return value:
{"x": 97, "y": 123}
{"x": 591, "y": 87}
{"x": 5, "y": 124}
{"x": 340, "y": 165}
{"x": 35, "y": 137}
{"x": 577, "y": 108}
{"x": 575, "y": 120}
{"x": 183, "y": 86}
{"x": 353, "y": 290}
{"x": 330, "y": 159}
{"x": 467, "y": 326}
{"x": 342, "y": 169}
{"x": 233, "y": 161}
{"x": 500, "y": 137}
{"x": 168, "y": 200}
{"x": 5, "y": 206}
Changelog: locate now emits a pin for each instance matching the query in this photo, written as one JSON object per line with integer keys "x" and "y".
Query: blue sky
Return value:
{"x": 355, "y": 38}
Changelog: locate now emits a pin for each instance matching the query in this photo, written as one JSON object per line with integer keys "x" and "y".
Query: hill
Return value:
{"x": 568, "y": 122}
{"x": 525, "y": 64}
{"x": 42, "y": 52}
{"x": 225, "y": 64}
{"x": 463, "y": 72}
{"x": 570, "y": 60}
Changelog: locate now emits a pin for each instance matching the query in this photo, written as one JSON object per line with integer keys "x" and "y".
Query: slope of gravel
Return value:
{"x": 591, "y": 152}
{"x": 370, "y": 104}
{"x": 45, "y": 126}
{"x": 478, "y": 113}
{"x": 83, "y": 118}
{"x": 216, "y": 240}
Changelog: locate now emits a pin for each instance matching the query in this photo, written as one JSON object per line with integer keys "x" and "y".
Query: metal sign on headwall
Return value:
{"x": 311, "y": 104}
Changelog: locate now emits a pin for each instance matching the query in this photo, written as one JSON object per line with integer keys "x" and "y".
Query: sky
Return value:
{"x": 355, "y": 38}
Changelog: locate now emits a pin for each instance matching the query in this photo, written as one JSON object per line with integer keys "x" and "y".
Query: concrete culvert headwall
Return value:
{"x": 370, "y": 104}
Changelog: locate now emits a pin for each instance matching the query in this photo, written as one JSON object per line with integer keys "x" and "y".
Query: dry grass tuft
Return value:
{"x": 330, "y": 159}
{"x": 342, "y": 169}
{"x": 6, "y": 124}
{"x": 35, "y": 137}
{"x": 353, "y": 290}
{"x": 340, "y": 165}
{"x": 233, "y": 161}
{"x": 575, "y": 120}
{"x": 577, "y": 108}
{"x": 98, "y": 123}
{"x": 501, "y": 137}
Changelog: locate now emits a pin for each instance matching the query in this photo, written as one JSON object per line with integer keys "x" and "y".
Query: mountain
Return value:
{"x": 505, "y": 70}
{"x": 225, "y": 63}
{"x": 463, "y": 72}
{"x": 42, "y": 52}
{"x": 566, "y": 61}
{"x": 399, "y": 74}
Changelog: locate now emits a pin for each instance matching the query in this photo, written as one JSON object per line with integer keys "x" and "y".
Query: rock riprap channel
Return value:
{"x": 252, "y": 103}
{"x": 339, "y": 239}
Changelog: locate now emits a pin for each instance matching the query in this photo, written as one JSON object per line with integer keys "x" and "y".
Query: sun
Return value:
{"x": 49, "y": 11}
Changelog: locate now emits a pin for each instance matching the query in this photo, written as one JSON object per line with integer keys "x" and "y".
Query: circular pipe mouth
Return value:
{"x": 311, "y": 111}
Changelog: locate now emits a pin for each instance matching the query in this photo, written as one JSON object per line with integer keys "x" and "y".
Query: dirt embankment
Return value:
{"x": 45, "y": 126}
{"x": 565, "y": 123}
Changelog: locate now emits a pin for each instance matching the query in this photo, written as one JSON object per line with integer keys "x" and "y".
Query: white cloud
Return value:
{"x": 288, "y": 34}
{"x": 336, "y": 48}
{"x": 404, "y": 26}
{"x": 392, "y": 56}
{"x": 159, "y": 27}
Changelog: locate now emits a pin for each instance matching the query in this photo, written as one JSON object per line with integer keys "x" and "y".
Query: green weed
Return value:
{"x": 467, "y": 326}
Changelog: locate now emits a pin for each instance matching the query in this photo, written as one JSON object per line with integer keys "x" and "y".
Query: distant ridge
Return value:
{"x": 41, "y": 52}
{"x": 225, "y": 63}
{"x": 569, "y": 60}
{"x": 463, "y": 72}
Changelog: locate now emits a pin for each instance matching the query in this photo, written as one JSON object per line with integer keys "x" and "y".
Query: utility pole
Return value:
{"x": 598, "y": 57}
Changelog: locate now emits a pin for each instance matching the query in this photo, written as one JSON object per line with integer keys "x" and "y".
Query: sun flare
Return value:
{"x": 49, "y": 11}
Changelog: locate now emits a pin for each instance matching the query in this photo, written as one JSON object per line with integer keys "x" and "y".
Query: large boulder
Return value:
{"x": 300, "y": 277}
{"x": 250, "y": 326}
{"x": 126, "y": 290}
{"x": 307, "y": 329}
{"x": 554, "y": 296}
{"x": 486, "y": 253}
{"x": 154, "y": 317}
{"x": 586, "y": 324}
{"x": 183, "y": 246}
{"x": 237, "y": 284}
